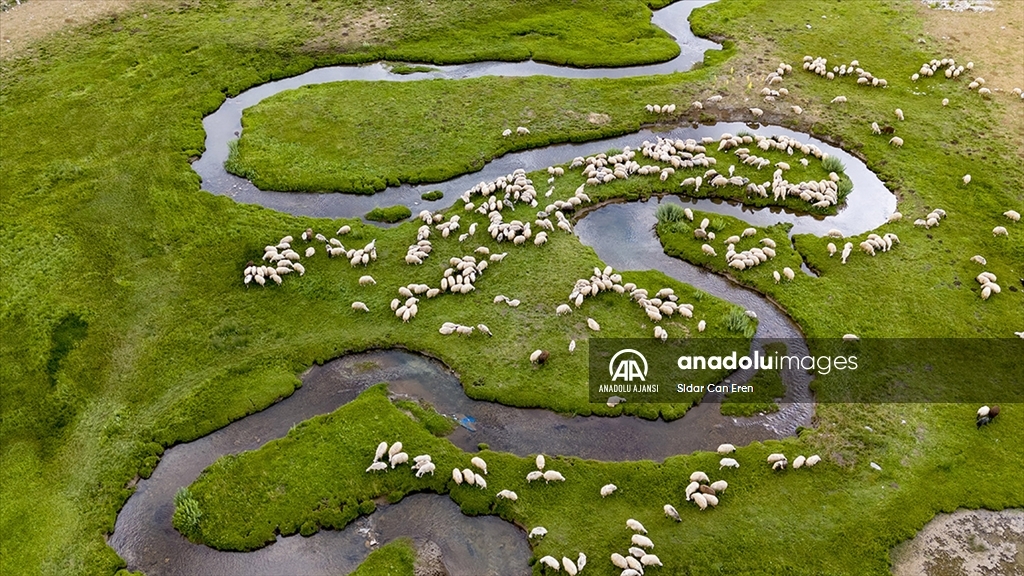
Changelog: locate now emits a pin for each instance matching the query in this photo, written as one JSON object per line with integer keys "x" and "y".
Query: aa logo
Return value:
{"x": 624, "y": 366}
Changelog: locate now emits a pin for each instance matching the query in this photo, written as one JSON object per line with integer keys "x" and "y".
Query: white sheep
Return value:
{"x": 581, "y": 561}
{"x": 839, "y": 100}
{"x": 550, "y": 562}
{"x": 788, "y": 273}
{"x": 619, "y": 561}
{"x": 360, "y": 306}
{"x": 382, "y": 449}
{"x": 776, "y": 457}
{"x": 896, "y": 141}
{"x": 699, "y": 477}
{"x": 635, "y": 526}
{"x": 728, "y": 463}
{"x": 366, "y": 281}
{"x": 607, "y": 489}
{"x": 899, "y": 114}
{"x": 1000, "y": 231}
{"x": 400, "y": 458}
{"x": 377, "y": 466}
{"x": 642, "y": 541}
{"x": 757, "y": 112}
{"x": 395, "y": 449}
{"x": 726, "y": 448}
{"x": 1012, "y": 215}
{"x": 799, "y": 462}
{"x": 570, "y": 567}
{"x": 967, "y": 179}
{"x": 593, "y": 325}
{"x": 708, "y": 250}
{"x": 479, "y": 463}
{"x": 672, "y": 513}
{"x": 979, "y": 259}
{"x": 535, "y": 475}
{"x": 572, "y": 346}
{"x": 540, "y": 462}
{"x": 650, "y": 560}
{"x": 812, "y": 461}
{"x": 522, "y": 130}
{"x": 701, "y": 500}
{"x": 457, "y": 476}
{"x": 553, "y": 476}
{"x": 691, "y": 488}
{"x": 508, "y": 495}
{"x": 719, "y": 486}
{"x": 468, "y": 476}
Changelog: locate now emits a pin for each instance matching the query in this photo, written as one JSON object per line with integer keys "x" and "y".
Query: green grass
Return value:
{"x": 432, "y": 196}
{"x": 391, "y": 214}
{"x": 104, "y": 220}
{"x": 837, "y": 517}
{"x": 396, "y": 558}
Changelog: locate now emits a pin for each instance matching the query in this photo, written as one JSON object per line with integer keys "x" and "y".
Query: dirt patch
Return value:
{"x": 992, "y": 39}
{"x": 341, "y": 32}
{"x": 599, "y": 119}
{"x": 967, "y": 542}
{"x": 30, "y": 21}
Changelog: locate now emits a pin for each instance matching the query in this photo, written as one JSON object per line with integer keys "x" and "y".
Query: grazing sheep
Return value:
{"x": 607, "y": 489}
{"x": 839, "y": 100}
{"x": 708, "y": 250}
{"x": 987, "y": 417}
{"x": 650, "y": 560}
{"x": 719, "y": 486}
{"x": 797, "y": 110}
{"x": 619, "y": 561}
{"x": 899, "y": 114}
{"x": 812, "y": 461}
{"x": 593, "y": 325}
{"x": 757, "y": 112}
{"x": 540, "y": 461}
{"x": 776, "y": 457}
{"x": 788, "y": 273}
{"x": 1000, "y": 231}
{"x": 395, "y": 449}
{"x": 457, "y": 476}
{"x": 507, "y": 495}
{"x": 1012, "y": 215}
{"x": 572, "y": 346}
{"x": 479, "y": 463}
{"x": 728, "y": 463}
{"x": 382, "y": 449}
{"x": 535, "y": 475}
{"x": 701, "y": 500}
{"x": 539, "y": 356}
{"x": 799, "y": 462}
{"x": 642, "y": 541}
{"x": 699, "y": 477}
{"x": 967, "y": 179}
{"x": 581, "y": 561}
{"x": 635, "y": 552}
{"x": 569, "y": 566}
{"x": 701, "y": 326}
{"x": 484, "y": 329}
{"x": 367, "y": 280}
{"x": 777, "y": 276}
{"x": 522, "y": 130}
{"x": 635, "y": 526}
{"x": 896, "y": 141}
{"x": 360, "y": 306}
{"x": 550, "y": 562}
{"x": 691, "y": 488}
{"x": 563, "y": 309}
{"x": 979, "y": 259}
{"x": 726, "y": 448}
{"x": 875, "y": 128}
{"x": 553, "y": 476}
{"x": 400, "y": 458}
{"x": 377, "y": 466}
{"x": 672, "y": 513}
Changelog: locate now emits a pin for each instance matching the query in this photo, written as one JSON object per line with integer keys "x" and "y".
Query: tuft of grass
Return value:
{"x": 432, "y": 196}
{"x": 669, "y": 213}
{"x": 187, "y": 516}
{"x": 833, "y": 164}
{"x": 738, "y": 321}
{"x": 391, "y": 214}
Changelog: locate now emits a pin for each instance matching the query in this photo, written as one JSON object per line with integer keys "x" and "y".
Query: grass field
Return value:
{"x": 127, "y": 328}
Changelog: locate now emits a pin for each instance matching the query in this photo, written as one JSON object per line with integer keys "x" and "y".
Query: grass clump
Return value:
{"x": 738, "y": 321}
{"x": 833, "y": 164}
{"x": 432, "y": 196}
{"x": 391, "y": 214}
{"x": 187, "y": 516}
{"x": 406, "y": 69}
{"x": 669, "y": 213}
{"x": 396, "y": 558}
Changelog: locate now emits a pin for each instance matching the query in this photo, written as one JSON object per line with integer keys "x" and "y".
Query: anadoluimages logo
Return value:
{"x": 627, "y": 367}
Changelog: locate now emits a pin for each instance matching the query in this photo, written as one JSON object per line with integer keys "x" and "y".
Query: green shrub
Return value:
{"x": 833, "y": 164}
{"x": 432, "y": 196}
{"x": 186, "y": 514}
{"x": 738, "y": 321}
{"x": 390, "y": 214}
{"x": 669, "y": 213}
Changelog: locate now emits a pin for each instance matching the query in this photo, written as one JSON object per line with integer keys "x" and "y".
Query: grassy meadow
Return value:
{"x": 127, "y": 328}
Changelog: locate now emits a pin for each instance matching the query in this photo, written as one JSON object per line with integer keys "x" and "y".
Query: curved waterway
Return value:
{"x": 621, "y": 234}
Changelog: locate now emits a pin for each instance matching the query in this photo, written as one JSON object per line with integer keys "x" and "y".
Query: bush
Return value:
{"x": 669, "y": 213}
{"x": 390, "y": 214}
{"x": 432, "y": 196}
{"x": 833, "y": 164}
{"x": 845, "y": 187}
{"x": 186, "y": 514}
{"x": 738, "y": 321}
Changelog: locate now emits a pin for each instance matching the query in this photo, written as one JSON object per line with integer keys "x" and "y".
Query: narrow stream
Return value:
{"x": 621, "y": 234}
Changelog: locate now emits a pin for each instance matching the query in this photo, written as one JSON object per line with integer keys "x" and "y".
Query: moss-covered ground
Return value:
{"x": 127, "y": 328}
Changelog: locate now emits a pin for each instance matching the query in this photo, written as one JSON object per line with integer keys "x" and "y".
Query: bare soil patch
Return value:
{"x": 30, "y": 21}
{"x": 967, "y": 542}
